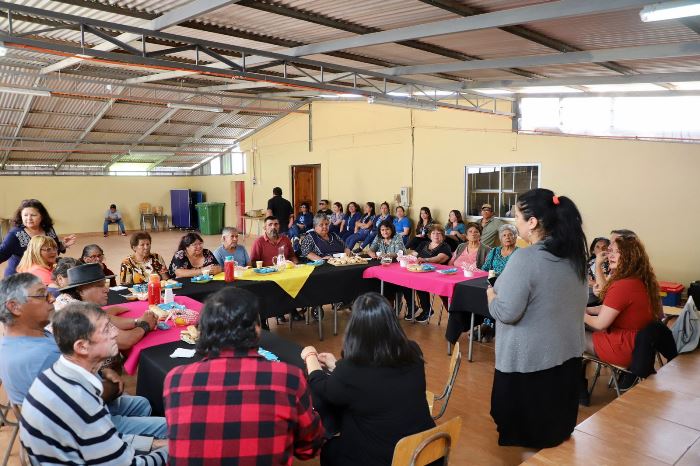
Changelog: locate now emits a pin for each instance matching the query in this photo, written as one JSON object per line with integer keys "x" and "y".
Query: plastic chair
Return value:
{"x": 159, "y": 216}
{"x": 455, "y": 362}
{"x": 430, "y": 445}
{"x": 147, "y": 217}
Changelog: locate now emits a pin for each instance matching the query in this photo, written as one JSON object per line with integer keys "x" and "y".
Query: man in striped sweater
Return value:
{"x": 64, "y": 419}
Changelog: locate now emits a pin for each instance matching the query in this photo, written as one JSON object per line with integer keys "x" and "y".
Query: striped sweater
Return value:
{"x": 65, "y": 421}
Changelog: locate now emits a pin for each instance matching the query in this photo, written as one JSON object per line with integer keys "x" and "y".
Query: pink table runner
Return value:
{"x": 431, "y": 282}
{"x": 156, "y": 337}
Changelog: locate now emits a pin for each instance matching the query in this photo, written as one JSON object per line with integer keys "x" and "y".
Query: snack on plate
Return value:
{"x": 189, "y": 335}
{"x": 170, "y": 283}
{"x": 354, "y": 260}
{"x": 184, "y": 316}
{"x": 162, "y": 314}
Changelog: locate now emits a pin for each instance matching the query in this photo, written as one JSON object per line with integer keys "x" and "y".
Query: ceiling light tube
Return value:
{"x": 3, "y": 49}
{"x": 403, "y": 103}
{"x": 18, "y": 90}
{"x": 670, "y": 10}
{"x": 201, "y": 108}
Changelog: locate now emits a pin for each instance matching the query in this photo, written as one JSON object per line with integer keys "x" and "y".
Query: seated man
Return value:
{"x": 27, "y": 349}
{"x": 269, "y": 243}
{"x": 234, "y": 406}
{"x": 64, "y": 420}
{"x": 230, "y": 247}
{"x": 113, "y": 216}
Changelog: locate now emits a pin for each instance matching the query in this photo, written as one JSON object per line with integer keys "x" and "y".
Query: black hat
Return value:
{"x": 84, "y": 275}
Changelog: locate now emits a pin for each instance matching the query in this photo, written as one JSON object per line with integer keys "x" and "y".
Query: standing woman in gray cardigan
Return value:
{"x": 537, "y": 303}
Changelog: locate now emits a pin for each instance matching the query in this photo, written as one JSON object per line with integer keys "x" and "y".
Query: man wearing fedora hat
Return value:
{"x": 27, "y": 349}
{"x": 489, "y": 227}
{"x": 87, "y": 283}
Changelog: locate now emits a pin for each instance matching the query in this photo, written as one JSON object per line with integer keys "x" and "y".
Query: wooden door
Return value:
{"x": 304, "y": 182}
{"x": 239, "y": 205}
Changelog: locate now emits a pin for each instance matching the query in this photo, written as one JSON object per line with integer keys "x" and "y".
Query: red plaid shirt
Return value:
{"x": 239, "y": 409}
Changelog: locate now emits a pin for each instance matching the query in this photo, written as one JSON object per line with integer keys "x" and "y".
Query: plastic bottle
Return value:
{"x": 169, "y": 296}
{"x": 154, "y": 289}
{"x": 229, "y": 269}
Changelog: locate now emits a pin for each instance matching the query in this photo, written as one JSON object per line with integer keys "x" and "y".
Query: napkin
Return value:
{"x": 117, "y": 288}
{"x": 183, "y": 353}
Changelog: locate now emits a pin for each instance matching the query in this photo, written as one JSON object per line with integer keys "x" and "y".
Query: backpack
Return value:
{"x": 686, "y": 330}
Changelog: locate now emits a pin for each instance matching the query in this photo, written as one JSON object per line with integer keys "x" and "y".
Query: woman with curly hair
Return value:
{"x": 630, "y": 303}
{"x": 31, "y": 219}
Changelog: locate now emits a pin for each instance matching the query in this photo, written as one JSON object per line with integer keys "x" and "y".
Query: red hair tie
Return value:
{"x": 555, "y": 199}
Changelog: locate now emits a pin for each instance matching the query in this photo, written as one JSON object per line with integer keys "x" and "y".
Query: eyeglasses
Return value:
{"x": 49, "y": 249}
{"x": 44, "y": 296}
{"x": 487, "y": 208}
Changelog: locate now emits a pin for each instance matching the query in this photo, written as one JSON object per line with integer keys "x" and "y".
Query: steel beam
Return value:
{"x": 148, "y": 132}
{"x": 586, "y": 80}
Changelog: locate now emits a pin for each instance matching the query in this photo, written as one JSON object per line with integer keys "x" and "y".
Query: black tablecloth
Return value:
{"x": 116, "y": 297}
{"x": 468, "y": 297}
{"x": 155, "y": 363}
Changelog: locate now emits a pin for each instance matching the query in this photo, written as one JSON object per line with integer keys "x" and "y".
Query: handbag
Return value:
{"x": 686, "y": 330}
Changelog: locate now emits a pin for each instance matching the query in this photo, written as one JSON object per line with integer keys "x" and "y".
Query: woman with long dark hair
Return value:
{"x": 537, "y": 303}
{"x": 192, "y": 259}
{"x": 31, "y": 219}
{"x": 455, "y": 230}
{"x": 425, "y": 220}
{"x": 378, "y": 387}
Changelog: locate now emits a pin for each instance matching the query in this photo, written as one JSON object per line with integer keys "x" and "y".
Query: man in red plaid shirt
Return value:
{"x": 235, "y": 407}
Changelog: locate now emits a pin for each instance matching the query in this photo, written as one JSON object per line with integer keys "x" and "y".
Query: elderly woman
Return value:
{"x": 93, "y": 254}
{"x": 31, "y": 219}
{"x": 471, "y": 254}
{"x": 142, "y": 263}
{"x": 630, "y": 303}
{"x": 455, "y": 231}
{"x": 498, "y": 256}
{"x": 402, "y": 224}
{"x": 192, "y": 259}
{"x": 87, "y": 283}
{"x": 320, "y": 243}
{"x": 537, "y": 303}
{"x": 363, "y": 226}
{"x": 303, "y": 222}
{"x": 436, "y": 251}
{"x": 39, "y": 258}
{"x": 351, "y": 218}
{"x": 425, "y": 221}
{"x": 387, "y": 243}
{"x": 336, "y": 218}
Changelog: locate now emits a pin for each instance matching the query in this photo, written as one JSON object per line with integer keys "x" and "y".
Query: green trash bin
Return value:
{"x": 211, "y": 217}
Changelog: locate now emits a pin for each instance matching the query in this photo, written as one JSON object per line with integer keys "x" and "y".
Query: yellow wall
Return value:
{"x": 367, "y": 153}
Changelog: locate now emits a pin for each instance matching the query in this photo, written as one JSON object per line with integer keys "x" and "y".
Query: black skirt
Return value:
{"x": 536, "y": 409}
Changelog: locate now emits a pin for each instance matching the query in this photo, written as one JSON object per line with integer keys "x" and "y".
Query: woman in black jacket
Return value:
{"x": 377, "y": 389}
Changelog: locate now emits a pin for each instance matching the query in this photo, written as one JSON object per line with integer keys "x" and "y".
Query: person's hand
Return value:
{"x": 307, "y": 351}
{"x": 69, "y": 240}
{"x": 490, "y": 294}
{"x": 214, "y": 269}
{"x": 421, "y": 260}
{"x": 596, "y": 289}
{"x": 327, "y": 361}
{"x": 601, "y": 258}
{"x": 150, "y": 318}
{"x": 112, "y": 376}
{"x": 159, "y": 443}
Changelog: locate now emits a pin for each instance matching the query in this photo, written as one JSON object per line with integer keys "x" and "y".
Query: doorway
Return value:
{"x": 306, "y": 186}
{"x": 238, "y": 194}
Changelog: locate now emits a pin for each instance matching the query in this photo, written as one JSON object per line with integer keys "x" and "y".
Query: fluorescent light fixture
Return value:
{"x": 404, "y": 103}
{"x": 201, "y": 108}
{"x": 493, "y": 91}
{"x": 670, "y": 10}
{"x": 3, "y": 49}
{"x": 22, "y": 91}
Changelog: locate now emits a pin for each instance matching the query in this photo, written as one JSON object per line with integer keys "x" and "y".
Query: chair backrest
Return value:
{"x": 653, "y": 338}
{"x": 455, "y": 362}
{"x": 145, "y": 208}
{"x": 427, "y": 446}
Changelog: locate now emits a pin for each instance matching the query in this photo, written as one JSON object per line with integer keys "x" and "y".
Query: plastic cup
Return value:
{"x": 468, "y": 273}
{"x": 258, "y": 264}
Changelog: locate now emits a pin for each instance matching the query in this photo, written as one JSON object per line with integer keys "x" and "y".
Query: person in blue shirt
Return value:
{"x": 230, "y": 247}
{"x": 363, "y": 226}
{"x": 336, "y": 218}
{"x": 352, "y": 216}
{"x": 303, "y": 222}
{"x": 455, "y": 232}
{"x": 384, "y": 215}
{"x": 402, "y": 224}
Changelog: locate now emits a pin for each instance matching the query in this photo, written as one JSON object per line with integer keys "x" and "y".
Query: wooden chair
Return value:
{"x": 455, "y": 362}
{"x": 427, "y": 446}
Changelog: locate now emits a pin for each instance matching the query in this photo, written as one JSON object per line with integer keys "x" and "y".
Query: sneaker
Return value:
{"x": 315, "y": 314}
{"x": 486, "y": 333}
{"x": 408, "y": 316}
{"x": 105, "y": 235}
{"x": 424, "y": 317}
{"x": 282, "y": 319}
{"x": 122, "y": 233}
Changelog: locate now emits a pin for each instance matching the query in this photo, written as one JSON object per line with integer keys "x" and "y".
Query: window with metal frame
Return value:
{"x": 498, "y": 185}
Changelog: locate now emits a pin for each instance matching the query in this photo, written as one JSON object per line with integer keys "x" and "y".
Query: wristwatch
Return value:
{"x": 144, "y": 325}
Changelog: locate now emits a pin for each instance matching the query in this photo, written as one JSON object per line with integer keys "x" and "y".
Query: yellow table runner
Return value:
{"x": 290, "y": 280}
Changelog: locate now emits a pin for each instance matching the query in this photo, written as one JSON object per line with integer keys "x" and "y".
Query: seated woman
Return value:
{"x": 384, "y": 214}
{"x": 471, "y": 254}
{"x": 436, "y": 251}
{"x": 498, "y": 256}
{"x": 387, "y": 243}
{"x": 87, "y": 283}
{"x": 630, "y": 303}
{"x": 191, "y": 259}
{"x": 425, "y": 220}
{"x": 351, "y": 218}
{"x": 455, "y": 231}
{"x": 303, "y": 222}
{"x": 337, "y": 218}
{"x": 320, "y": 243}
{"x": 142, "y": 263}
{"x": 599, "y": 246}
{"x": 59, "y": 279}
{"x": 39, "y": 258}
{"x": 93, "y": 254}
{"x": 363, "y": 226}
{"x": 377, "y": 389}
{"x": 402, "y": 224}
